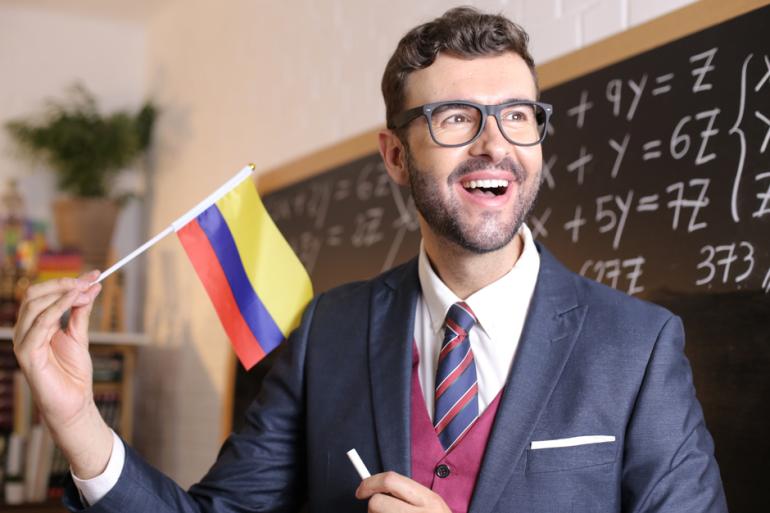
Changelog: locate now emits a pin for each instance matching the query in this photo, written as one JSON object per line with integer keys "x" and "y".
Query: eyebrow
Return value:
{"x": 511, "y": 100}
{"x": 507, "y": 100}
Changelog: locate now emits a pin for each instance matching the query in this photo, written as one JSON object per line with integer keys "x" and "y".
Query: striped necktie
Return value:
{"x": 457, "y": 391}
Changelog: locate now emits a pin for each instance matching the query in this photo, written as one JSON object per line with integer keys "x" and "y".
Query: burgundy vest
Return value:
{"x": 452, "y": 475}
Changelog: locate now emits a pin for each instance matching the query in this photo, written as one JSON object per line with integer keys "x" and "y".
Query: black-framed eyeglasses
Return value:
{"x": 456, "y": 123}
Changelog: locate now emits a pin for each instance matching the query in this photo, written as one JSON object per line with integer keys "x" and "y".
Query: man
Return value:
{"x": 482, "y": 376}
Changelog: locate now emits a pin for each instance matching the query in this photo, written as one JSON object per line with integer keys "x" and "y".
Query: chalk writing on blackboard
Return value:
{"x": 683, "y": 164}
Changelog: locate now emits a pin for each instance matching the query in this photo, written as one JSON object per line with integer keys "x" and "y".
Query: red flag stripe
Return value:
{"x": 210, "y": 272}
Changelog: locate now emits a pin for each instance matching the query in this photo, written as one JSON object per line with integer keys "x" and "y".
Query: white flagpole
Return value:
{"x": 181, "y": 221}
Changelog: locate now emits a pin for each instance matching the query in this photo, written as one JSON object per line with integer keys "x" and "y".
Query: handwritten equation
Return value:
{"x": 663, "y": 163}
{"x": 355, "y": 212}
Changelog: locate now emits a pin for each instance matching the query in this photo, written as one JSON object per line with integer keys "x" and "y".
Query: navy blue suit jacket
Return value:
{"x": 591, "y": 361}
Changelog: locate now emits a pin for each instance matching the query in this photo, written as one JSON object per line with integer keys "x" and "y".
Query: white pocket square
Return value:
{"x": 571, "y": 442}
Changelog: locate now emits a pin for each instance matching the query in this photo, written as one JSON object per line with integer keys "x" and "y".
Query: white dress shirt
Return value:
{"x": 91, "y": 490}
{"x": 500, "y": 307}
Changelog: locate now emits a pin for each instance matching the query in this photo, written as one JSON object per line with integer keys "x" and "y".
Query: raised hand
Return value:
{"x": 57, "y": 365}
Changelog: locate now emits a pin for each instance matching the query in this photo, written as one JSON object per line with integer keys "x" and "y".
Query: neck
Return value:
{"x": 465, "y": 272}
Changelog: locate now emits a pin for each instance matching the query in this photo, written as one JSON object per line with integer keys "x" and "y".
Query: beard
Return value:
{"x": 446, "y": 217}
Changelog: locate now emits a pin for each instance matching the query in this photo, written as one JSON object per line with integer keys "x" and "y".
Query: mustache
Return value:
{"x": 518, "y": 173}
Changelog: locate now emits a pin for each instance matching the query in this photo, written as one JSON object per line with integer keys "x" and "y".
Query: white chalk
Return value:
{"x": 355, "y": 459}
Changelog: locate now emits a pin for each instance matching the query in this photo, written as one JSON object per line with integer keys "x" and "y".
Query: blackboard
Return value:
{"x": 657, "y": 182}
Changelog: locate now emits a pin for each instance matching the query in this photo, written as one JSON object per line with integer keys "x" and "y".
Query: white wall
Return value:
{"x": 267, "y": 82}
{"x": 42, "y": 53}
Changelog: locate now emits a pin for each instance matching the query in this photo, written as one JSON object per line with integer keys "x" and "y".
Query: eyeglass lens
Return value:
{"x": 456, "y": 123}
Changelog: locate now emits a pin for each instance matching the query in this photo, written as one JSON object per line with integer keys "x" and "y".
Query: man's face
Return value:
{"x": 454, "y": 208}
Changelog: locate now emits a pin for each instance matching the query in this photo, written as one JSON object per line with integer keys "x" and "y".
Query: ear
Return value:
{"x": 394, "y": 156}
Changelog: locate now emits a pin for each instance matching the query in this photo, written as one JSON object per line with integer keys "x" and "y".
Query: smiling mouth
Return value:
{"x": 486, "y": 187}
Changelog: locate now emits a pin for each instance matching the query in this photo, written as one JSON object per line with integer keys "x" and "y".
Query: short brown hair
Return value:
{"x": 463, "y": 32}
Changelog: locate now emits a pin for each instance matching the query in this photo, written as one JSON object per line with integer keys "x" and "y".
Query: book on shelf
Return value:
{"x": 60, "y": 467}
{"x": 107, "y": 367}
{"x": 23, "y": 408}
{"x": 109, "y": 405}
{"x": 37, "y": 464}
{"x": 58, "y": 265}
{"x": 28, "y": 462}
{"x": 7, "y": 369}
{"x": 32, "y": 469}
{"x": 13, "y": 482}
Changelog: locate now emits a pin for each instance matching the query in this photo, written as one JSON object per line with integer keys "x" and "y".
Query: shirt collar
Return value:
{"x": 491, "y": 304}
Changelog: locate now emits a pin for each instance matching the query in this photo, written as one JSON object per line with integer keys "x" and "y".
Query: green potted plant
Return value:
{"x": 86, "y": 149}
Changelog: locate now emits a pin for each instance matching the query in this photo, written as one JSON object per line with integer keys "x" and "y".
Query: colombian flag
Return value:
{"x": 257, "y": 284}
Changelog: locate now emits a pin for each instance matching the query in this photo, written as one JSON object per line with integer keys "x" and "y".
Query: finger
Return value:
{"x": 393, "y": 484}
{"x": 88, "y": 293}
{"x": 47, "y": 322}
{"x": 381, "y": 503}
{"x": 78, "y": 324}
{"x": 61, "y": 285}
{"x": 41, "y": 295}
{"x": 91, "y": 275}
{"x": 31, "y": 310}
{"x": 58, "y": 285}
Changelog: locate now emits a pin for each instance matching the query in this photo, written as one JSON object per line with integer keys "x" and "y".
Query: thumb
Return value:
{"x": 79, "y": 316}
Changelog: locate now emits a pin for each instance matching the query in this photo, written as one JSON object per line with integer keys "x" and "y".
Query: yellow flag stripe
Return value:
{"x": 276, "y": 274}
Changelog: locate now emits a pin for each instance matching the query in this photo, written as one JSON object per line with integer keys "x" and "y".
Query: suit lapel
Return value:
{"x": 392, "y": 309}
{"x": 553, "y": 323}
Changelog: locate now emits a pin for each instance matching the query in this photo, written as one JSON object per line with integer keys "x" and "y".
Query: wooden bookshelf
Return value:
{"x": 114, "y": 385}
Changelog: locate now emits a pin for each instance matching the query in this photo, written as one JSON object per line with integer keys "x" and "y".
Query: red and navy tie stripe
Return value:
{"x": 457, "y": 390}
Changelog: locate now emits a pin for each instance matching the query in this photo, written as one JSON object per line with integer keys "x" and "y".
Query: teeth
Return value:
{"x": 485, "y": 184}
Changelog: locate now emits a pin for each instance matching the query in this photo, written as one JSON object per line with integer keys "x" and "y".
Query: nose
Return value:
{"x": 491, "y": 143}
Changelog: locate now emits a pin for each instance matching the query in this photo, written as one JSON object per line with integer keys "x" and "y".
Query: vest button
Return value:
{"x": 443, "y": 471}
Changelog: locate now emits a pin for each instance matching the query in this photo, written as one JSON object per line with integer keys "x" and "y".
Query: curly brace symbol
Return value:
{"x": 736, "y": 130}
